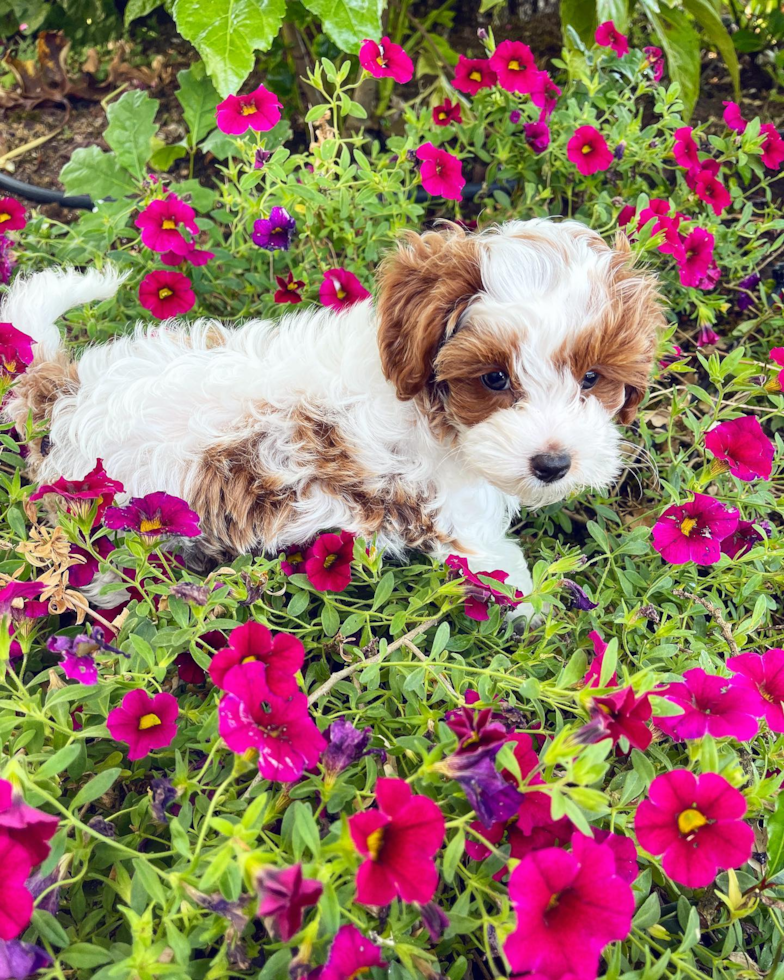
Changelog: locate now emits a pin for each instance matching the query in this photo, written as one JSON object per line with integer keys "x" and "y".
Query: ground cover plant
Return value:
{"x": 327, "y": 764}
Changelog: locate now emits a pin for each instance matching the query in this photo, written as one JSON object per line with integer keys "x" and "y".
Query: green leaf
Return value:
{"x": 59, "y": 762}
{"x": 776, "y": 839}
{"x": 452, "y": 855}
{"x": 92, "y": 171}
{"x": 706, "y": 14}
{"x": 615, "y": 10}
{"x": 131, "y": 129}
{"x": 681, "y": 44}
{"x": 49, "y": 928}
{"x": 384, "y": 590}
{"x": 165, "y": 154}
{"x": 97, "y": 786}
{"x": 85, "y": 956}
{"x": 330, "y": 620}
{"x": 135, "y": 10}
{"x": 227, "y": 33}
{"x": 150, "y": 880}
{"x": 580, "y": 15}
{"x": 198, "y": 99}
{"x": 348, "y": 22}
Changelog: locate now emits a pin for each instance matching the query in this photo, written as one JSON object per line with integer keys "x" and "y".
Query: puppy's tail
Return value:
{"x": 35, "y": 303}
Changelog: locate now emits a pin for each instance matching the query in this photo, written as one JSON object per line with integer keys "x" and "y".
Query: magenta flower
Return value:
{"x": 16, "y": 902}
{"x": 281, "y": 654}
{"x": 711, "y": 706}
{"x": 78, "y": 496}
{"x": 588, "y": 150}
{"x": 743, "y": 448}
{"x": 13, "y": 216}
{"x": 144, "y": 722}
{"x": 447, "y": 113}
{"x": 351, "y": 955}
{"x": 710, "y": 189}
{"x": 7, "y": 262}
{"x": 694, "y": 256}
{"x": 655, "y": 59}
{"x": 537, "y": 135}
{"x": 707, "y": 337}
{"x": 772, "y": 146}
{"x": 694, "y": 531}
{"x": 685, "y": 149}
{"x": 761, "y": 680}
{"x": 473, "y": 74}
{"x": 627, "y": 213}
{"x": 16, "y": 351}
{"x": 275, "y": 232}
{"x": 259, "y": 111}
{"x": 295, "y": 559}
{"x": 24, "y": 825}
{"x": 154, "y": 515}
{"x": 250, "y": 716}
{"x": 328, "y": 563}
{"x": 385, "y": 59}
{"x": 19, "y": 601}
{"x": 188, "y": 671}
{"x": 514, "y": 65}
{"x": 341, "y": 289}
{"x": 478, "y": 592}
{"x": 696, "y": 823}
{"x": 569, "y": 907}
{"x": 777, "y": 356}
{"x": 77, "y": 661}
{"x": 193, "y": 256}
{"x": 623, "y": 715}
{"x": 544, "y": 95}
{"x": 288, "y": 290}
{"x": 283, "y": 896}
{"x": 744, "y": 538}
{"x": 398, "y": 840}
{"x": 166, "y": 294}
{"x": 608, "y": 36}
{"x": 624, "y": 850}
{"x": 82, "y": 574}
{"x": 441, "y": 172}
{"x": 594, "y": 672}
{"x": 733, "y": 117}
{"x": 160, "y": 225}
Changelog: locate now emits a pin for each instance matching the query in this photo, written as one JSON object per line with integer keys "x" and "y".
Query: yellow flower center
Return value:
{"x": 690, "y": 820}
{"x": 150, "y": 524}
{"x": 514, "y": 65}
{"x": 688, "y": 525}
{"x": 476, "y": 76}
{"x": 340, "y": 292}
{"x": 248, "y": 109}
{"x": 330, "y": 560}
{"x": 248, "y": 660}
{"x": 587, "y": 148}
{"x": 4, "y": 216}
{"x": 10, "y": 366}
{"x": 293, "y": 287}
{"x": 148, "y": 721}
{"x": 442, "y": 115}
{"x": 168, "y": 224}
{"x": 381, "y": 61}
{"x": 165, "y": 293}
{"x": 375, "y": 842}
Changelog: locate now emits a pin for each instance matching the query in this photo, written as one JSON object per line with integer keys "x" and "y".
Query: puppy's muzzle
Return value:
{"x": 550, "y": 467}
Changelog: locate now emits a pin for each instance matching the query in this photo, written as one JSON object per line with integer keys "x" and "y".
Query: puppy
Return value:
{"x": 486, "y": 378}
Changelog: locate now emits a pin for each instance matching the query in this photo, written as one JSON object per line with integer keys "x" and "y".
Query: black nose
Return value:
{"x": 549, "y": 467}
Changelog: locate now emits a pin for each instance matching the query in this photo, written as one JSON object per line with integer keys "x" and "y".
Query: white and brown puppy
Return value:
{"x": 485, "y": 378}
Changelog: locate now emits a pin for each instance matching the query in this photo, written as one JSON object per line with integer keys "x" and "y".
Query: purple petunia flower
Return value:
{"x": 275, "y": 232}
{"x": 6, "y": 262}
{"x": 346, "y": 746}
{"x": 77, "y": 661}
{"x": 745, "y": 300}
{"x": 163, "y": 795}
{"x": 578, "y": 595}
{"x": 20, "y": 960}
{"x": 154, "y": 515}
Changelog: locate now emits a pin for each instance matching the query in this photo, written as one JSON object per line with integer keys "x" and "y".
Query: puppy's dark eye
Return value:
{"x": 589, "y": 380}
{"x": 496, "y": 380}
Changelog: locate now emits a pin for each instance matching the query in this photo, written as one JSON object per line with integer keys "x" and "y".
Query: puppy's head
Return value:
{"x": 525, "y": 342}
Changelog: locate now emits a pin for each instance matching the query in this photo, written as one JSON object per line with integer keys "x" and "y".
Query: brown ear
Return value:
{"x": 628, "y": 411}
{"x": 424, "y": 288}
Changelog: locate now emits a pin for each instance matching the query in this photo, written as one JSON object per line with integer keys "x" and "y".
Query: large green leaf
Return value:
{"x": 581, "y": 16}
{"x": 131, "y": 129}
{"x": 139, "y": 8}
{"x": 615, "y": 10}
{"x": 91, "y": 171}
{"x": 348, "y": 22}
{"x": 681, "y": 44}
{"x": 775, "y": 830}
{"x": 227, "y": 33}
{"x": 707, "y": 16}
{"x": 198, "y": 99}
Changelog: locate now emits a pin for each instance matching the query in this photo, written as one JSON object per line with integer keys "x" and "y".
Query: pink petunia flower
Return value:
{"x": 473, "y": 74}
{"x": 478, "y": 592}
{"x": 685, "y": 149}
{"x": 696, "y": 822}
{"x": 693, "y": 531}
{"x": 588, "y": 150}
{"x": 13, "y": 216}
{"x": 568, "y": 907}
{"x": 710, "y": 189}
{"x": 594, "y": 672}
{"x": 711, "y": 706}
{"x": 544, "y": 95}
{"x": 655, "y": 60}
{"x": 295, "y": 559}
{"x": 288, "y": 290}
{"x": 537, "y": 135}
{"x": 78, "y": 495}
{"x": 447, "y": 113}
{"x": 166, "y": 294}
{"x": 398, "y": 840}
{"x": 281, "y": 654}
{"x": 761, "y": 679}
{"x": 160, "y": 225}
{"x": 351, "y": 955}
{"x": 777, "y": 356}
{"x": 26, "y": 826}
{"x": 515, "y": 67}
{"x": 188, "y": 671}
{"x": 623, "y": 715}
{"x": 259, "y": 111}
{"x": 608, "y": 36}
{"x": 16, "y": 902}
{"x": 193, "y": 256}
{"x": 144, "y": 722}
{"x": 82, "y": 574}
{"x": 341, "y": 289}
{"x": 154, "y": 515}
{"x": 250, "y": 716}
{"x": 707, "y": 337}
{"x": 625, "y": 853}
{"x": 733, "y": 117}
{"x": 385, "y": 59}
{"x": 328, "y": 565}
{"x": 772, "y": 146}
{"x": 16, "y": 351}
{"x": 19, "y": 601}
{"x": 742, "y": 447}
{"x": 77, "y": 661}
{"x": 694, "y": 256}
{"x": 441, "y": 172}
{"x": 627, "y": 213}
{"x": 743, "y": 539}
{"x": 284, "y": 894}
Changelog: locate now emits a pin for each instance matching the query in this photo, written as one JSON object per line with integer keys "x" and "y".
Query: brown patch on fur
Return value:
{"x": 622, "y": 346}
{"x": 424, "y": 288}
{"x": 34, "y": 397}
